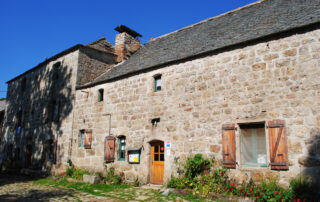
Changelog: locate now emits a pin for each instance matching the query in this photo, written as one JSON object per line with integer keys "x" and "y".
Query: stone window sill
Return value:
{"x": 259, "y": 169}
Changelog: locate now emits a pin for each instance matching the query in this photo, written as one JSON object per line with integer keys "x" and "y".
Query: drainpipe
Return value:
{"x": 71, "y": 138}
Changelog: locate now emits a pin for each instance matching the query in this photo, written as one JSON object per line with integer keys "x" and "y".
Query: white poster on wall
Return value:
{"x": 262, "y": 159}
{"x": 134, "y": 157}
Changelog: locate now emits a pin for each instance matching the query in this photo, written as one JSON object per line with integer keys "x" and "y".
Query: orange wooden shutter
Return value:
{"x": 278, "y": 145}
{"x": 87, "y": 139}
{"x": 109, "y": 149}
{"x": 228, "y": 145}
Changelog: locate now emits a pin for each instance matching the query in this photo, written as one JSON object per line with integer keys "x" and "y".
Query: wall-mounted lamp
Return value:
{"x": 155, "y": 121}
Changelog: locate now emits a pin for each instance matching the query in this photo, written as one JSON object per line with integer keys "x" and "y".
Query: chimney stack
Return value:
{"x": 126, "y": 42}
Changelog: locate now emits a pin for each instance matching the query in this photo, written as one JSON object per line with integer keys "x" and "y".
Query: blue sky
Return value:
{"x": 33, "y": 30}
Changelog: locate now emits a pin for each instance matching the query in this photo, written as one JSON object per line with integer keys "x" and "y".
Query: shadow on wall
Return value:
{"x": 38, "y": 106}
{"x": 311, "y": 162}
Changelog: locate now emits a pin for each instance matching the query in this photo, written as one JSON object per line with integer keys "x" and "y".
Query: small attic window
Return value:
{"x": 157, "y": 82}
{"x": 23, "y": 84}
{"x": 56, "y": 69}
{"x": 100, "y": 95}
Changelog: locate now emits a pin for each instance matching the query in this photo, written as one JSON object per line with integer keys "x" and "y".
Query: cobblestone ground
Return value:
{"x": 18, "y": 188}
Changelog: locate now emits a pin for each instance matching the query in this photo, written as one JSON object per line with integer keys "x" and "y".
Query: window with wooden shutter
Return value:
{"x": 109, "y": 149}
{"x": 253, "y": 144}
{"x": 228, "y": 146}
{"x": 87, "y": 139}
{"x": 278, "y": 145}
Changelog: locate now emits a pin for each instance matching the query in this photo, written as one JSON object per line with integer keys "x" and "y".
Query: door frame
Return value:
{"x": 152, "y": 143}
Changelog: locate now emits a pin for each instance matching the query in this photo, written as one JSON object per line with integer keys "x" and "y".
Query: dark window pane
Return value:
{"x": 156, "y": 148}
{"x": 161, "y": 157}
{"x": 162, "y": 149}
{"x": 156, "y": 157}
{"x": 122, "y": 155}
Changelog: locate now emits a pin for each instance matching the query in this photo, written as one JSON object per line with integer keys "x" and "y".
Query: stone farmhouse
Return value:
{"x": 242, "y": 87}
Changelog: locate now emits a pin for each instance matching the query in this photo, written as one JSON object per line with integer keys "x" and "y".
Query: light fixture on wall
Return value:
{"x": 155, "y": 122}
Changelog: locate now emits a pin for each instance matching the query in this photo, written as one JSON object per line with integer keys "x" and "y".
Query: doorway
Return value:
{"x": 157, "y": 162}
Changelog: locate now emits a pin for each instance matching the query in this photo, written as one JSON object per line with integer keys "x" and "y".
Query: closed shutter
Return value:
{"x": 88, "y": 139}
{"x": 55, "y": 151}
{"x": 278, "y": 145}
{"x": 109, "y": 149}
{"x": 228, "y": 146}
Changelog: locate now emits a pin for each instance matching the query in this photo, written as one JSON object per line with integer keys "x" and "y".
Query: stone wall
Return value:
{"x": 1, "y": 124}
{"x": 93, "y": 63}
{"x": 276, "y": 79}
{"x": 43, "y": 85}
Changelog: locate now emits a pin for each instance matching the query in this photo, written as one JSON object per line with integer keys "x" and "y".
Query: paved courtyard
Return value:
{"x": 18, "y": 188}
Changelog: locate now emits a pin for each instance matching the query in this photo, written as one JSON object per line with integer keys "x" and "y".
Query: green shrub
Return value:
{"x": 78, "y": 174}
{"x": 304, "y": 189}
{"x": 111, "y": 177}
{"x": 99, "y": 174}
{"x": 74, "y": 173}
{"x": 69, "y": 171}
{"x": 196, "y": 165}
{"x": 268, "y": 190}
{"x": 218, "y": 182}
{"x": 136, "y": 182}
{"x": 178, "y": 182}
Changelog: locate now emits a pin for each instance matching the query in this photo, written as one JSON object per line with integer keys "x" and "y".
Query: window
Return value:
{"x": 100, "y": 92}
{"x": 122, "y": 149}
{"x": 253, "y": 145}
{"x": 81, "y": 138}
{"x": 157, "y": 83}
{"x": 85, "y": 138}
{"x": 56, "y": 68}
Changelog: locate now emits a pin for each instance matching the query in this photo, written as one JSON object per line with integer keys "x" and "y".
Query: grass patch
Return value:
{"x": 120, "y": 192}
{"x": 94, "y": 189}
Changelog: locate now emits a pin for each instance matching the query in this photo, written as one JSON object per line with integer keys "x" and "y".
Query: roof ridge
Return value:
{"x": 98, "y": 40}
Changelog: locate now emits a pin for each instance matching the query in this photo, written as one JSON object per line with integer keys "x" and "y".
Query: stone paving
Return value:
{"x": 18, "y": 188}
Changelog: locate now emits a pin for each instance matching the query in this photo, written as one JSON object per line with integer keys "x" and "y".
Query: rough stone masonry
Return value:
{"x": 277, "y": 79}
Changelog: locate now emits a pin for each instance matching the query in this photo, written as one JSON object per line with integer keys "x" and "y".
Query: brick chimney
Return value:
{"x": 126, "y": 42}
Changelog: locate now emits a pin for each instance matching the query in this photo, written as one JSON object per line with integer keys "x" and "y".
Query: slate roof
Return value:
{"x": 2, "y": 105}
{"x": 245, "y": 24}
